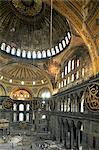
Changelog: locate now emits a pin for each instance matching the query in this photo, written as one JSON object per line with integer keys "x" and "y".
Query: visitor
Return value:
{"x": 31, "y": 147}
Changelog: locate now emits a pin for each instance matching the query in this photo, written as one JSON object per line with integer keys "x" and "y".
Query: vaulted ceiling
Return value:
{"x": 29, "y": 30}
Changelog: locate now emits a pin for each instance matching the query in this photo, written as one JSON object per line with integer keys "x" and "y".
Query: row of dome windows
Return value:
{"x": 22, "y": 82}
{"x": 39, "y": 54}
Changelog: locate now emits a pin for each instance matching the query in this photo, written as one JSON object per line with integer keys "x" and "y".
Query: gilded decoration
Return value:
{"x": 92, "y": 97}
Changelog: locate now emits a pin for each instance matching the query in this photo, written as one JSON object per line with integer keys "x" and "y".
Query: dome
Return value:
{"x": 26, "y": 25}
{"x": 23, "y": 74}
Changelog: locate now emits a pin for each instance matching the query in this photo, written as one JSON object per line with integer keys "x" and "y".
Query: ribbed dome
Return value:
{"x": 30, "y": 31}
{"x": 28, "y": 74}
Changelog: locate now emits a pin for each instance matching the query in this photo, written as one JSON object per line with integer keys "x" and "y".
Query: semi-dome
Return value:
{"x": 23, "y": 74}
{"x": 25, "y": 29}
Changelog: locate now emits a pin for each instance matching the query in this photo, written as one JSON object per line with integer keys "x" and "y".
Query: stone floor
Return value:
{"x": 28, "y": 143}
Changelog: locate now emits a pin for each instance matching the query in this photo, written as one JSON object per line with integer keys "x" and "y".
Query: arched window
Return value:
{"x": 82, "y": 103}
{"x": 13, "y": 50}
{"x": 27, "y": 107}
{"x": 69, "y": 66}
{"x": 62, "y": 84}
{"x": 48, "y": 53}
{"x": 18, "y": 53}
{"x": 83, "y": 72}
{"x": 62, "y": 105}
{"x": 65, "y": 70}
{"x": 73, "y": 64}
{"x": 28, "y": 54}
{"x": 64, "y": 43}
{"x": 23, "y": 53}
{"x": 21, "y": 107}
{"x": 60, "y": 47}
{"x": 62, "y": 75}
{"x": 3, "y": 45}
{"x": 77, "y": 75}
{"x": 65, "y": 106}
{"x": 14, "y": 117}
{"x": 67, "y": 41}
{"x": 44, "y": 93}
{"x": 78, "y": 62}
{"x": 69, "y": 36}
{"x": 8, "y": 48}
{"x": 21, "y": 117}
{"x": 27, "y": 117}
{"x": 68, "y": 107}
{"x": 33, "y": 54}
{"x": 68, "y": 80}
{"x": 43, "y": 116}
{"x": 72, "y": 77}
{"x": 44, "y": 54}
{"x": 65, "y": 82}
{"x": 52, "y": 51}
{"x": 57, "y": 49}
{"x": 14, "y": 107}
{"x": 39, "y": 54}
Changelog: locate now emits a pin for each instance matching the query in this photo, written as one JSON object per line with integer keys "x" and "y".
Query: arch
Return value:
{"x": 18, "y": 53}
{"x": 48, "y": 53}
{"x": 2, "y": 90}
{"x": 21, "y": 117}
{"x": 14, "y": 117}
{"x": 65, "y": 9}
{"x": 24, "y": 54}
{"x": 53, "y": 51}
{"x": 3, "y": 46}
{"x": 82, "y": 103}
{"x": 79, "y": 125}
{"x": 8, "y": 48}
{"x": 43, "y": 54}
{"x": 39, "y": 55}
{"x": 44, "y": 93}
{"x": 57, "y": 49}
{"x": 43, "y": 117}
{"x": 27, "y": 117}
{"x": 21, "y": 107}
{"x": 27, "y": 107}
{"x": 15, "y": 107}
{"x": 34, "y": 55}
{"x": 80, "y": 129}
{"x": 74, "y": 133}
{"x": 21, "y": 94}
{"x": 29, "y": 54}
{"x": 13, "y": 51}
{"x": 72, "y": 103}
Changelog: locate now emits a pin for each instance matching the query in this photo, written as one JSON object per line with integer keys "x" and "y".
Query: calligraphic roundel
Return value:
{"x": 92, "y": 97}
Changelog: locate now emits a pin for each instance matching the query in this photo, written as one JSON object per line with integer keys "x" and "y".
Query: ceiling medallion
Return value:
{"x": 28, "y": 3}
{"x": 92, "y": 97}
{"x": 27, "y": 7}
